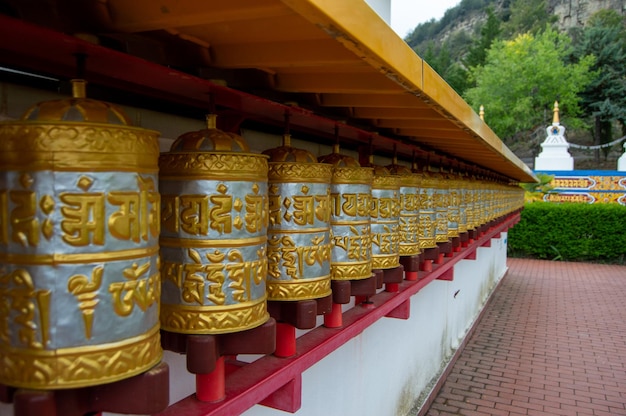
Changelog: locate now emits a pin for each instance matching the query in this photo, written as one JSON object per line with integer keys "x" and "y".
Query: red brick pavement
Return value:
{"x": 552, "y": 341}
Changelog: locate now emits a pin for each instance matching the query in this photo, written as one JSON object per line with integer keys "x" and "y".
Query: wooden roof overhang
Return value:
{"x": 331, "y": 63}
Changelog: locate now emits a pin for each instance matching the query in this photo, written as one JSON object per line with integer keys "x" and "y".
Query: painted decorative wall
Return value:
{"x": 587, "y": 186}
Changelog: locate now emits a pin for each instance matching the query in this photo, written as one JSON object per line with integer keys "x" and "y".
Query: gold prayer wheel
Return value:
{"x": 409, "y": 230}
{"x": 441, "y": 206}
{"x": 427, "y": 214}
{"x": 214, "y": 220}
{"x": 464, "y": 198}
{"x": 385, "y": 219}
{"x": 454, "y": 202}
{"x": 483, "y": 202}
{"x": 350, "y": 231}
{"x": 473, "y": 216}
{"x": 79, "y": 254}
{"x": 299, "y": 247}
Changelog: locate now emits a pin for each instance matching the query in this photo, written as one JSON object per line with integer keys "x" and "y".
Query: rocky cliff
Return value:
{"x": 574, "y": 13}
{"x": 570, "y": 14}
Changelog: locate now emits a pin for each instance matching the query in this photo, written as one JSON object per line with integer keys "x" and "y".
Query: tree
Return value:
{"x": 523, "y": 77}
{"x": 489, "y": 32}
{"x": 604, "y": 99}
{"x": 527, "y": 16}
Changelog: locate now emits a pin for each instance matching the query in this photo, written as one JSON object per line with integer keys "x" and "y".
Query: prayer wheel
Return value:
{"x": 409, "y": 244}
{"x": 350, "y": 231}
{"x": 483, "y": 202}
{"x": 299, "y": 247}
{"x": 214, "y": 220}
{"x": 427, "y": 215}
{"x": 79, "y": 254}
{"x": 454, "y": 202}
{"x": 462, "y": 186}
{"x": 385, "y": 219}
{"x": 473, "y": 216}
{"x": 441, "y": 206}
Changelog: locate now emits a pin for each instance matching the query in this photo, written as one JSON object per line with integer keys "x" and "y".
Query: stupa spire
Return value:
{"x": 555, "y": 111}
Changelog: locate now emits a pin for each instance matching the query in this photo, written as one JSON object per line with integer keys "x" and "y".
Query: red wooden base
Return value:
{"x": 334, "y": 318}
{"x": 285, "y": 340}
{"x": 411, "y": 266}
{"x": 431, "y": 253}
{"x": 146, "y": 393}
{"x": 301, "y": 314}
{"x": 211, "y": 387}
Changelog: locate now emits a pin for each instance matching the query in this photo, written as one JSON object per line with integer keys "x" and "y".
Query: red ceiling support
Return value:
{"x": 448, "y": 275}
{"x": 403, "y": 311}
{"x": 288, "y": 397}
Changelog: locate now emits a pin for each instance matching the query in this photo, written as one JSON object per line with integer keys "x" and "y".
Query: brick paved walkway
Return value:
{"x": 551, "y": 342}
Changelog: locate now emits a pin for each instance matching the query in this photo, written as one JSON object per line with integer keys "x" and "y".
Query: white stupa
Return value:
{"x": 554, "y": 154}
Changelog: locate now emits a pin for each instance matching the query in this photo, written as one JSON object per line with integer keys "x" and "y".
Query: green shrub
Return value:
{"x": 572, "y": 232}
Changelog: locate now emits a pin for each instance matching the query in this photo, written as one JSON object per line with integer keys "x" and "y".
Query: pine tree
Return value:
{"x": 604, "y": 99}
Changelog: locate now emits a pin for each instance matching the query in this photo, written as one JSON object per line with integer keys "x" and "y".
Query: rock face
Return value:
{"x": 570, "y": 13}
{"x": 574, "y": 13}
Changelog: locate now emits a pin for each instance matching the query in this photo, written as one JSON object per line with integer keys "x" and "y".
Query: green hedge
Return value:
{"x": 572, "y": 232}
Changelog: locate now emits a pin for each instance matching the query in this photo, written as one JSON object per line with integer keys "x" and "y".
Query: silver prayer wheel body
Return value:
{"x": 350, "y": 196}
{"x": 213, "y": 234}
{"x": 385, "y": 217}
{"x": 79, "y": 274}
{"x": 427, "y": 213}
{"x": 409, "y": 210}
{"x": 299, "y": 248}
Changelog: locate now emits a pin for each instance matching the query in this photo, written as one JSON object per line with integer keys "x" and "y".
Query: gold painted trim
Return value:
{"x": 224, "y": 319}
{"x": 69, "y": 161}
{"x": 385, "y": 262}
{"x": 80, "y": 366}
{"x": 351, "y": 271}
{"x": 206, "y": 243}
{"x": 213, "y": 165}
{"x": 350, "y": 222}
{"x": 287, "y": 172}
{"x": 50, "y": 259}
{"x": 47, "y": 144}
{"x": 352, "y": 176}
{"x": 428, "y": 243}
{"x": 301, "y": 289}
{"x": 409, "y": 249}
{"x": 391, "y": 182}
{"x": 273, "y": 230}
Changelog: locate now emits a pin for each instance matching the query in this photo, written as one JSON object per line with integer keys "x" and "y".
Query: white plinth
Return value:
{"x": 621, "y": 163}
{"x": 554, "y": 156}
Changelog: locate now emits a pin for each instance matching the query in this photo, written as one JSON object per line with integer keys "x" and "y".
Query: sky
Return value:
{"x": 406, "y": 14}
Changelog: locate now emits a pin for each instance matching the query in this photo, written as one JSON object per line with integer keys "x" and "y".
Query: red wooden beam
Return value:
{"x": 34, "y": 48}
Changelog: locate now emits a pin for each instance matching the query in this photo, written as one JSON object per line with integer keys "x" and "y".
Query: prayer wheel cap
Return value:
{"x": 77, "y": 109}
{"x": 210, "y": 139}
{"x": 399, "y": 170}
{"x": 381, "y": 170}
{"x": 339, "y": 161}
{"x": 286, "y": 153}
